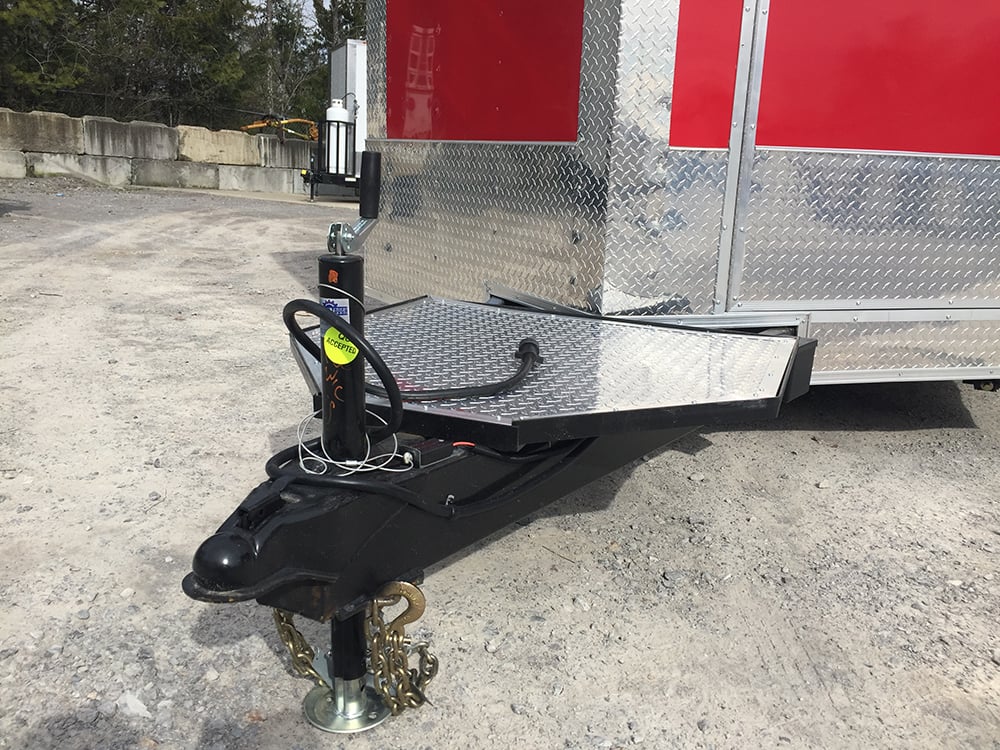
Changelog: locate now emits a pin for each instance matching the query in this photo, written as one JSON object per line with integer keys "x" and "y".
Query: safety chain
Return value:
{"x": 400, "y": 686}
{"x": 389, "y": 649}
{"x": 295, "y": 642}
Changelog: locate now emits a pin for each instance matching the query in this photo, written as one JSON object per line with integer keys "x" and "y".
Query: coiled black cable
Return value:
{"x": 527, "y": 351}
{"x": 391, "y": 389}
{"x": 278, "y": 465}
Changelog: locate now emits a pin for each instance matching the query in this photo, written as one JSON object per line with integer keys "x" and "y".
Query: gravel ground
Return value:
{"x": 827, "y": 580}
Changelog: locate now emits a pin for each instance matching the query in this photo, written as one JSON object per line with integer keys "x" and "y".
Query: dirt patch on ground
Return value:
{"x": 827, "y": 580}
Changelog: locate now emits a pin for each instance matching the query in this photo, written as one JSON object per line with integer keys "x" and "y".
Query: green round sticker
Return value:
{"x": 339, "y": 349}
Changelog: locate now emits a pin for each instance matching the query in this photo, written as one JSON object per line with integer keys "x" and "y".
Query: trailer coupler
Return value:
{"x": 326, "y": 554}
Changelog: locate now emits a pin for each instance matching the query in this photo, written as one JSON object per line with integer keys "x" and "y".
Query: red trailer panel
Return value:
{"x": 708, "y": 44}
{"x": 892, "y": 75}
{"x": 499, "y": 71}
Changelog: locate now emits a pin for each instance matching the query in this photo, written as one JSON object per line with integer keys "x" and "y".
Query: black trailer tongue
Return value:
{"x": 473, "y": 417}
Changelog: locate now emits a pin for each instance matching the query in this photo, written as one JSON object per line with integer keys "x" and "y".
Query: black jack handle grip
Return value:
{"x": 371, "y": 183}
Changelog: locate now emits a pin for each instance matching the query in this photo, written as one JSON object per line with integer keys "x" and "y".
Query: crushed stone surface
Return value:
{"x": 828, "y": 580}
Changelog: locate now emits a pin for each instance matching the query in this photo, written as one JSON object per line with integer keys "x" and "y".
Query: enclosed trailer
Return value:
{"x": 830, "y": 168}
{"x": 482, "y": 413}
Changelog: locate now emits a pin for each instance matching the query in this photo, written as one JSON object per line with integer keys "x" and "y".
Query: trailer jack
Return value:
{"x": 346, "y": 704}
{"x": 401, "y": 477}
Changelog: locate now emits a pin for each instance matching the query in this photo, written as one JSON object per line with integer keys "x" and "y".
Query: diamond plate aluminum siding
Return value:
{"x": 834, "y": 226}
{"x": 664, "y": 205}
{"x": 899, "y": 346}
{"x": 532, "y": 217}
{"x": 375, "y": 20}
{"x": 614, "y": 222}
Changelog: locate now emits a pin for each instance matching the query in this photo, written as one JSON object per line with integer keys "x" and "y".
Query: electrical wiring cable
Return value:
{"x": 324, "y": 461}
{"x": 389, "y": 383}
{"x": 282, "y": 465}
{"x": 527, "y": 352}
{"x": 526, "y": 457}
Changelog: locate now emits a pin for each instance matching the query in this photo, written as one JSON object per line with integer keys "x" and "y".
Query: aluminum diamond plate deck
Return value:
{"x": 598, "y": 376}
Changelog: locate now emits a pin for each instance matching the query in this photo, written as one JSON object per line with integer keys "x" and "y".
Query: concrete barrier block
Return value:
{"x": 40, "y": 131}
{"x": 260, "y": 179}
{"x": 103, "y": 136}
{"x": 287, "y": 155}
{"x": 109, "y": 170}
{"x": 217, "y": 146}
{"x": 12, "y": 165}
{"x": 157, "y": 173}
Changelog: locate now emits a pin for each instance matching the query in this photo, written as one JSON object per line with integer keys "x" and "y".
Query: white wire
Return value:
{"x": 308, "y": 459}
{"x": 347, "y": 467}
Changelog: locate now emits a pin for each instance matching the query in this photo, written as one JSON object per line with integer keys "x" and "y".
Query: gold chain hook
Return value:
{"x": 399, "y": 685}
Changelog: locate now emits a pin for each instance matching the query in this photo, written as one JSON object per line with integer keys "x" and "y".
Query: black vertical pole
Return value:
{"x": 341, "y": 290}
{"x": 347, "y": 647}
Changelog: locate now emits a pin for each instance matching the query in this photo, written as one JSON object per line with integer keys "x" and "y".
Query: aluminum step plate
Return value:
{"x": 597, "y": 376}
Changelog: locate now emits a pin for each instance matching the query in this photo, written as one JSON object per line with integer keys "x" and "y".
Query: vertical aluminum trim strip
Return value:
{"x": 734, "y": 164}
{"x": 731, "y": 257}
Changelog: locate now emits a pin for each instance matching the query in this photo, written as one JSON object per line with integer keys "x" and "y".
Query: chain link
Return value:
{"x": 399, "y": 685}
{"x": 389, "y": 648}
{"x": 295, "y": 642}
